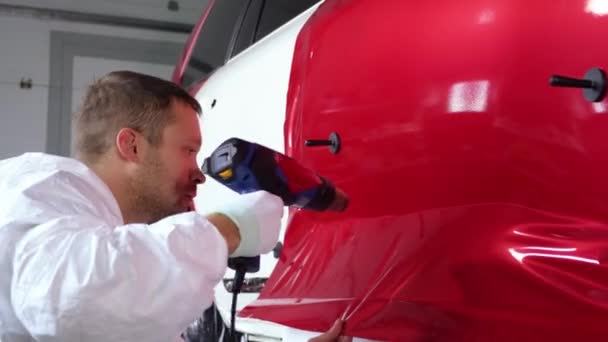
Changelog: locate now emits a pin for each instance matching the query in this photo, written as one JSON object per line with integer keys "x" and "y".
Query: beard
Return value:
{"x": 154, "y": 199}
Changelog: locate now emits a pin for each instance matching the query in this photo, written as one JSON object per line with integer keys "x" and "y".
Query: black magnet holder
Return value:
{"x": 333, "y": 142}
{"x": 593, "y": 85}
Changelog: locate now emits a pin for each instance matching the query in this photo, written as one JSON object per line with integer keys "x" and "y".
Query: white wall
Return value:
{"x": 25, "y": 53}
{"x": 189, "y": 10}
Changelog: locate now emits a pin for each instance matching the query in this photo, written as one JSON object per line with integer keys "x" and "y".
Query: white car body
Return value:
{"x": 246, "y": 98}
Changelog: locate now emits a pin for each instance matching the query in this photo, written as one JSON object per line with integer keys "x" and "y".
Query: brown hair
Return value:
{"x": 124, "y": 99}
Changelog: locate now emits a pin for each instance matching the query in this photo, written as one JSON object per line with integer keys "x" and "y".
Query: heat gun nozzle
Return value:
{"x": 340, "y": 202}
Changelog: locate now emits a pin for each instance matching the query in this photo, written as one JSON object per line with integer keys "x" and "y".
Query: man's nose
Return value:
{"x": 198, "y": 177}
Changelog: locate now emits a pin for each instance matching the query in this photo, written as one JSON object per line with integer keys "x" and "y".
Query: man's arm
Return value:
{"x": 227, "y": 228}
{"x": 75, "y": 278}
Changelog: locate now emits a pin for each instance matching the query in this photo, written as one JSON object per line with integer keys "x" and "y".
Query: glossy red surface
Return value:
{"x": 300, "y": 179}
{"x": 479, "y": 194}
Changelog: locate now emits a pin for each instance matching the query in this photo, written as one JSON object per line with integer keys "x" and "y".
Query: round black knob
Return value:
{"x": 313, "y": 142}
{"x": 563, "y": 81}
{"x": 276, "y": 251}
{"x": 333, "y": 142}
{"x": 593, "y": 85}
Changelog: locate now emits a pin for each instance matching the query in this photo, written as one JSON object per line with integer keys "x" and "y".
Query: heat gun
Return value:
{"x": 246, "y": 167}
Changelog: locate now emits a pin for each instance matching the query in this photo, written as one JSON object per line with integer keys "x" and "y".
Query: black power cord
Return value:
{"x": 240, "y": 265}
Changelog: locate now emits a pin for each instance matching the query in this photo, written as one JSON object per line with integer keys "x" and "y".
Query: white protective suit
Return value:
{"x": 71, "y": 270}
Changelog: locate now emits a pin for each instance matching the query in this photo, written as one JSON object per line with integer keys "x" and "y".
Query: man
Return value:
{"x": 104, "y": 247}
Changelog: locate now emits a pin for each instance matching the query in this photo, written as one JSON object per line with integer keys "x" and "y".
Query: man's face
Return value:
{"x": 166, "y": 181}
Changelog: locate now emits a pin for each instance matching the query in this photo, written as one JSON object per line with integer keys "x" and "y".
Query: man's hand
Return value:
{"x": 253, "y": 218}
{"x": 333, "y": 334}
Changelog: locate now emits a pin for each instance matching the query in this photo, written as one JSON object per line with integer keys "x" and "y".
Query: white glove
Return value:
{"x": 257, "y": 215}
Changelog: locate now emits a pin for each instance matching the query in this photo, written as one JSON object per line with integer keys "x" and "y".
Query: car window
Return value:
{"x": 246, "y": 34}
{"x": 265, "y": 16}
{"x": 277, "y": 12}
{"x": 213, "y": 42}
{"x": 234, "y": 25}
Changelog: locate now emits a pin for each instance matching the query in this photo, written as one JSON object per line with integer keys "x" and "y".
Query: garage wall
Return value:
{"x": 189, "y": 10}
{"x": 25, "y": 54}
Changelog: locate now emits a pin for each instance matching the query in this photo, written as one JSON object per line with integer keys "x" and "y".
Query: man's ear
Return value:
{"x": 127, "y": 141}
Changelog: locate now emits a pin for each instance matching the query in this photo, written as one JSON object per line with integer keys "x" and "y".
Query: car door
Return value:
{"x": 244, "y": 96}
{"x": 478, "y": 194}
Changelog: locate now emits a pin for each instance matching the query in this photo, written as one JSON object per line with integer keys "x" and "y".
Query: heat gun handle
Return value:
{"x": 247, "y": 264}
